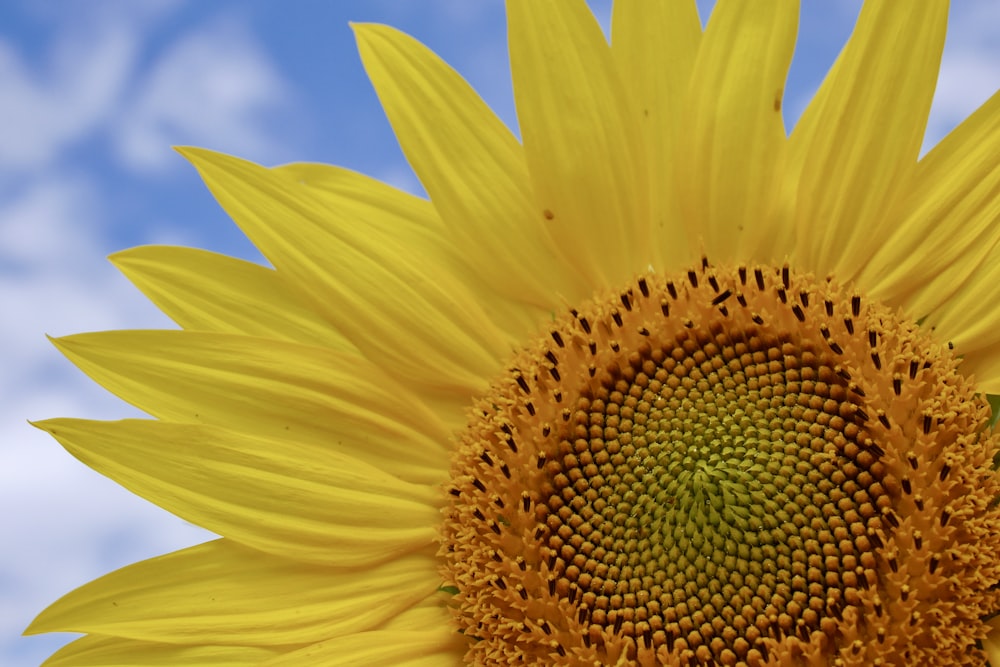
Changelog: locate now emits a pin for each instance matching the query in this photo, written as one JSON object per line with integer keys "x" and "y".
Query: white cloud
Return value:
{"x": 211, "y": 87}
{"x": 45, "y": 234}
{"x": 86, "y": 83}
{"x": 35, "y": 228}
{"x": 214, "y": 85}
{"x": 46, "y": 110}
{"x": 69, "y": 524}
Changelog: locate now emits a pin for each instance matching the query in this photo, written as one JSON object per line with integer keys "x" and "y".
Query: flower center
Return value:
{"x": 726, "y": 467}
{"x": 714, "y": 485}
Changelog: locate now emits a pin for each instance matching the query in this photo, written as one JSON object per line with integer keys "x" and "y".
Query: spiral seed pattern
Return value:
{"x": 715, "y": 492}
{"x": 740, "y": 466}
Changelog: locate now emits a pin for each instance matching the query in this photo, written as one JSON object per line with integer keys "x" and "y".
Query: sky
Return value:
{"x": 92, "y": 97}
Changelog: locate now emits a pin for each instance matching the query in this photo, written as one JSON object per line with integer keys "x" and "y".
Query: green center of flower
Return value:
{"x": 710, "y": 486}
{"x": 725, "y": 467}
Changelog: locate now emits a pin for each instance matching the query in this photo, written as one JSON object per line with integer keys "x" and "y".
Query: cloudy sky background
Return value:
{"x": 92, "y": 96}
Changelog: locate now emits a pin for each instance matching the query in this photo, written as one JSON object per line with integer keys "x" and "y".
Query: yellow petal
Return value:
{"x": 583, "y": 149}
{"x": 414, "y": 225}
{"x": 733, "y": 145}
{"x": 427, "y": 615}
{"x": 857, "y": 143}
{"x": 99, "y": 651}
{"x": 984, "y": 364}
{"x": 298, "y": 501}
{"x": 433, "y": 647}
{"x": 270, "y": 388}
{"x": 428, "y": 624}
{"x": 947, "y": 226}
{"x": 991, "y": 645}
{"x": 339, "y": 251}
{"x": 654, "y": 45}
{"x": 470, "y": 164}
{"x": 223, "y": 593}
{"x": 205, "y": 291}
{"x": 968, "y": 320}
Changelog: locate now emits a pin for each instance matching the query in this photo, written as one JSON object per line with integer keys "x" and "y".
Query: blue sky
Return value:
{"x": 92, "y": 96}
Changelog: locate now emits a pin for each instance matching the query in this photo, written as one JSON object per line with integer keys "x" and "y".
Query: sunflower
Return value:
{"x": 658, "y": 384}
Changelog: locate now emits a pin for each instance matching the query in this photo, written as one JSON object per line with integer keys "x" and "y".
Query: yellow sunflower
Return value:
{"x": 658, "y": 384}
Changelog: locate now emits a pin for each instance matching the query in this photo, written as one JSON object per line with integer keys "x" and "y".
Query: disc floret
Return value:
{"x": 730, "y": 466}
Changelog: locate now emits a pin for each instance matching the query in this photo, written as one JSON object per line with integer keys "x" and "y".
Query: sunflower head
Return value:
{"x": 722, "y": 466}
{"x": 519, "y": 422}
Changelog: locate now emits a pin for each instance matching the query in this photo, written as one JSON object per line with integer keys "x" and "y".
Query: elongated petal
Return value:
{"x": 583, "y": 150}
{"x": 654, "y": 45}
{"x": 428, "y": 615}
{"x": 298, "y": 501}
{"x": 337, "y": 250}
{"x": 414, "y": 225}
{"x": 733, "y": 146}
{"x": 99, "y": 651}
{"x": 205, "y": 291}
{"x": 471, "y": 165}
{"x": 984, "y": 364}
{"x": 969, "y": 319}
{"x": 949, "y": 223}
{"x": 223, "y": 593}
{"x": 857, "y": 143}
{"x": 271, "y": 388}
{"x": 434, "y": 647}
{"x": 428, "y": 622}
{"x": 991, "y": 645}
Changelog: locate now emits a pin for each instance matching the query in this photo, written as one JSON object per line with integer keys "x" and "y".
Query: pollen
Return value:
{"x": 726, "y": 466}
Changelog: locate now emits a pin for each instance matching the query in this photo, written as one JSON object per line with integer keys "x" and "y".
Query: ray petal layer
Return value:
{"x": 471, "y": 165}
{"x": 434, "y": 247}
{"x": 286, "y": 498}
{"x": 584, "y": 152}
{"x": 372, "y": 286}
{"x": 733, "y": 146}
{"x": 220, "y": 593}
{"x": 269, "y": 388}
{"x": 100, "y": 651}
{"x": 654, "y": 45}
{"x": 855, "y": 148}
{"x": 433, "y": 647}
{"x": 948, "y": 224}
{"x": 206, "y": 291}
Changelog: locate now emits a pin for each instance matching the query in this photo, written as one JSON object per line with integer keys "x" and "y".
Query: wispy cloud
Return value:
{"x": 100, "y": 92}
{"x": 214, "y": 87}
{"x": 65, "y": 520}
{"x": 48, "y": 108}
